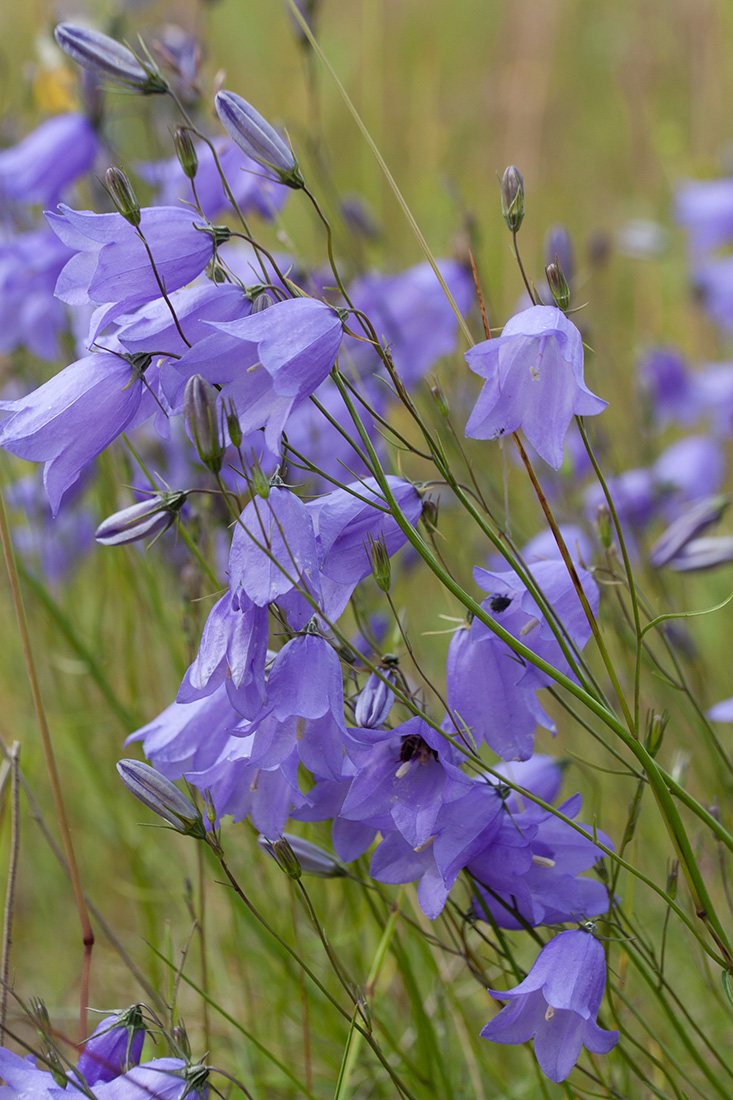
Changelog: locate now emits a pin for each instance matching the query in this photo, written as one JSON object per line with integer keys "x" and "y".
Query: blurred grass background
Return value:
{"x": 603, "y": 108}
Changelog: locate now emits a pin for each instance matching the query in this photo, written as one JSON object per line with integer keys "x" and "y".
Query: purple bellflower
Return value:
{"x": 252, "y": 193}
{"x": 669, "y": 386}
{"x": 44, "y": 164}
{"x": 30, "y": 315}
{"x": 412, "y": 316}
{"x": 161, "y": 1079}
{"x": 290, "y": 349}
{"x": 705, "y": 209}
{"x": 114, "y": 1046}
{"x": 112, "y": 270}
{"x": 534, "y": 381}
{"x": 557, "y": 1004}
{"x": 72, "y": 418}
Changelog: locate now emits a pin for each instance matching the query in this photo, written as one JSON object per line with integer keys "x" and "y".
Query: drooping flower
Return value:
{"x": 114, "y": 1046}
{"x": 112, "y": 270}
{"x": 557, "y": 1004}
{"x": 534, "y": 381}
{"x": 70, "y": 419}
{"x": 46, "y": 162}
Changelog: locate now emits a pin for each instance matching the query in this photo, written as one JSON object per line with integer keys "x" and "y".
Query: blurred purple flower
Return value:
{"x": 254, "y": 194}
{"x": 72, "y": 418}
{"x": 534, "y": 381}
{"x": 30, "y": 315}
{"x": 669, "y": 386}
{"x": 705, "y": 209}
{"x": 41, "y": 167}
{"x": 557, "y": 1004}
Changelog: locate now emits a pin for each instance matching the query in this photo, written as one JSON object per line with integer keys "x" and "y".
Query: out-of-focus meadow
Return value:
{"x": 605, "y": 109}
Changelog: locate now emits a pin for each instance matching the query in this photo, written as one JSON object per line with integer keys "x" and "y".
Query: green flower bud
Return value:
{"x": 379, "y": 560}
{"x": 558, "y": 285}
{"x": 512, "y": 198}
{"x": 201, "y": 416}
{"x": 185, "y": 151}
{"x": 655, "y": 727}
{"x": 120, "y": 190}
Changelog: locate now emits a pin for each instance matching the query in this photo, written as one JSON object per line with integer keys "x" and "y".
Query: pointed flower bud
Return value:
{"x": 512, "y": 198}
{"x": 441, "y": 401}
{"x": 121, "y": 192}
{"x": 283, "y": 854}
{"x": 201, "y": 415}
{"x": 379, "y": 561}
{"x": 254, "y": 135}
{"x": 656, "y": 725}
{"x": 375, "y": 700}
{"x": 162, "y": 797}
{"x": 100, "y": 54}
{"x": 261, "y": 301}
{"x": 687, "y": 527}
{"x": 185, "y": 151}
{"x": 604, "y": 526}
{"x": 148, "y": 517}
{"x": 233, "y": 426}
{"x": 558, "y": 284}
{"x": 310, "y": 858}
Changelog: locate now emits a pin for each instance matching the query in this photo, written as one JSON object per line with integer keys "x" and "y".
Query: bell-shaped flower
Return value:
{"x": 533, "y": 380}
{"x": 161, "y": 1079}
{"x": 70, "y": 419}
{"x": 297, "y": 342}
{"x": 114, "y": 1046}
{"x": 232, "y": 652}
{"x": 557, "y": 1004}
{"x": 46, "y": 162}
{"x": 112, "y": 268}
{"x": 346, "y": 518}
{"x": 253, "y": 192}
{"x": 30, "y": 315}
{"x": 273, "y": 547}
{"x": 491, "y": 695}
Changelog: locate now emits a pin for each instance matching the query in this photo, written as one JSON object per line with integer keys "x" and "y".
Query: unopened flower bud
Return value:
{"x": 185, "y": 151}
{"x": 558, "y": 285}
{"x": 310, "y": 858}
{"x": 100, "y": 54}
{"x": 672, "y": 874}
{"x": 233, "y": 426}
{"x": 512, "y": 198}
{"x": 604, "y": 526}
{"x": 148, "y": 517}
{"x": 705, "y": 553}
{"x": 120, "y": 190}
{"x": 282, "y": 852}
{"x": 258, "y": 482}
{"x": 375, "y": 701}
{"x": 558, "y": 248}
{"x": 429, "y": 514}
{"x": 686, "y": 528}
{"x": 656, "y": 725}
{"x": 440, "y": 399}
{"x": 162, "y": 797}
{"x": 262, "y": 301}
{"x": 201, "y": 415}
{"x": 254, "y": 135}
{"x": 379, "y": 560}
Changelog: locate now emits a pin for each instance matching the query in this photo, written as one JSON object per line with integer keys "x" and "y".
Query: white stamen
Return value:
{"x": 403, "y": 769}
{"x": 529, "y": 626}
{"x": 550, "y": 1012}
{"x": 543, "y": 861}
